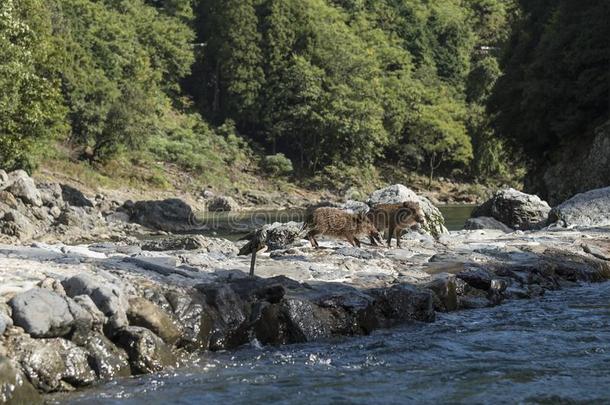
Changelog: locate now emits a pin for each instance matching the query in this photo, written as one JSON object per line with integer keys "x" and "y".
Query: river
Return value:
{"x": 554, "y": 349}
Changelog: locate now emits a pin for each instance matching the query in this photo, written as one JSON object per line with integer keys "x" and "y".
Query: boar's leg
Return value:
{"x": 311, "y": 235}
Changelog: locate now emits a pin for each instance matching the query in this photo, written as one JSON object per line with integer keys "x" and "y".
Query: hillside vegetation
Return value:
{"x": 321, "y": 93}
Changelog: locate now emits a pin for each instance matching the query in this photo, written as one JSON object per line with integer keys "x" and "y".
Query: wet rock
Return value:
{"x": 52, "y": 364}
{"x": 171, "y": 215}
{"x": 230, "y": 306}
{"x": 108, "y": 298}
{"x": 107, "y": 360}
{"x": 74, "y": 197}
{"x": 192, "y": 314}
{"x": 147, "y": 352}
{"x": 588, "y": 209}
{"x": 486, "y": 223}
{"x": 405, "y": 302}
{"x": 23, "y": 187}
{"x": 42, "y": 313}
{"x": 476, "y": 277}
{"x": 15, "y": 389}
{"x": 188, "y": 242}
{"x": 306, "y": 322}
{"x": 397, "y": 193}
{"x": 269, "y": 324}
{"x": 515, "y": 209}
{"x": 222, "y": 204}
{"x": 148, "y": 315}
{"x": 14, "y": 223}
{"x": 445, "y": 291}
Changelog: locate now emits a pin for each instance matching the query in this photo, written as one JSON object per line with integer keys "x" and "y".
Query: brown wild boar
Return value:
{"x": 338, "y": 223}
{"x": 396, "y": 217}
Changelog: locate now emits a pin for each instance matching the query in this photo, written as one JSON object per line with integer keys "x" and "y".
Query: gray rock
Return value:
{"x": 397, "y": 193}
{"x": 185, "y": 242}
{"x": 8, "y": 199}
{"x": 16, "y": 224}
{"x": 148, "y": 315}
{"x": 51, "y": 194}
{"x": 147, "y": 352}
{"x": 222, "y": 204}
{"x": 356, "y": 207}
{"x": 6, "y": 320}
{"x": 97, "y": 317}
{"x": 3, "y": 177}
{"x": 52, "y": 364}
{"x": 108, "y": 298}
{"x": 404, "y": 302}
{"x": 445, "y": 290}
{"x": 15, "y": 389}
{"x": 588, "y": 209}
{"x": 52, "y": 284}
{"x": 282, "y": 235}
{"x": 486, "y": 223}
{"x": 515, "y": 209}
{"x": 74, "y": 197}
{"x": 306, "y": 322}
{"x": 23, "y": 187}
{"x": 171, "y": 215}
{"x": 42, "y": 313}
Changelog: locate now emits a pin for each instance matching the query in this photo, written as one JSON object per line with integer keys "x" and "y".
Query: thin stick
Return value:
{"x": 252, "y": 262}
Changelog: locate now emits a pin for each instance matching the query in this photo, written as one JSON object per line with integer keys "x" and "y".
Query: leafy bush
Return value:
{"x": 277, "y": 165}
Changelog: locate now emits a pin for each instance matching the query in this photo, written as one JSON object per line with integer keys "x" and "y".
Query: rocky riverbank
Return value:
{"x": 72, "y": 314}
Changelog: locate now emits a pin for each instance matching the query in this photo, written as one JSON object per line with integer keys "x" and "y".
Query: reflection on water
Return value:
{"x": 555, "y": 349}
{"x": 233, "y": 225}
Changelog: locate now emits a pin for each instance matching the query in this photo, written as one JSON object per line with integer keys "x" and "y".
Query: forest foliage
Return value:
{"x": 303, "y": 87}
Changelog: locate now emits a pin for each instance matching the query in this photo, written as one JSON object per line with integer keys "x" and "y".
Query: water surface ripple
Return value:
{"x": 555, "y": 349}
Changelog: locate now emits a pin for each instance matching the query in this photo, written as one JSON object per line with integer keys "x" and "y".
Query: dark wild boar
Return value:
{"x": 395, "y": 218}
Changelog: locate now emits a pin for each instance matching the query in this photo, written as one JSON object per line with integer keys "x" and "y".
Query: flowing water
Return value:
{"x": 555, "y": 349}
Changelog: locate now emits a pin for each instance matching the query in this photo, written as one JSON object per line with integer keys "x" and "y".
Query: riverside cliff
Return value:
{"x": 103, "y": 304}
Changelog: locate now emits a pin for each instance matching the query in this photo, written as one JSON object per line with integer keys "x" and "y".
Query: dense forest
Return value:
{"x": 470, "y": 89}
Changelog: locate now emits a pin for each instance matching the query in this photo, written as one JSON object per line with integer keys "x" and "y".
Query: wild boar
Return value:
{"x": 395, "y": 218}
{"x": 338, "y": 223}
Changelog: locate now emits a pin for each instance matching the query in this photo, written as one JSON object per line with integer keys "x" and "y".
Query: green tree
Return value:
{"x": 230, "y": 66}
{"x": 31, "y": 111}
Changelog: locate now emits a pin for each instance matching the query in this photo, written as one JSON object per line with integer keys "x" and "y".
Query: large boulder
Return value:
{"x": 486, "y": 223}
{"x": 109, "y": 298}
{"x": 397, "y": 193}
{"x": 51, "y": 194}
{"x": 171, "y": 215}
{"x": 14, "y": 387}
{"x": 222, "y": 204}
{"x": 515, "y": 209}
{"x": 23, "y": 187}
{"x": 591, "y": 208}
{"x": 42, "y": 313}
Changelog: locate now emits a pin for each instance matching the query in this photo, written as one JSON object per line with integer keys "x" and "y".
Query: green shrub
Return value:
{"x": 277, "y": 165}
